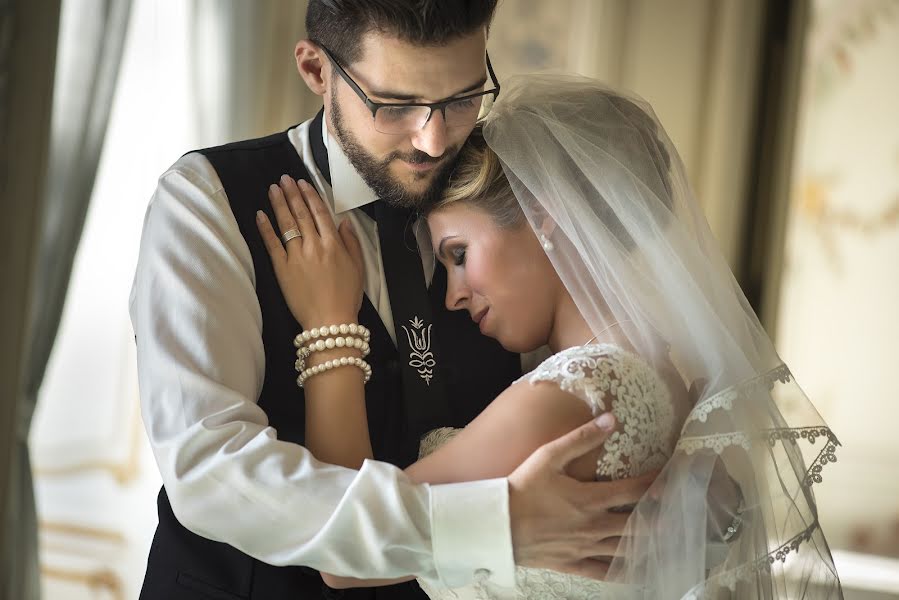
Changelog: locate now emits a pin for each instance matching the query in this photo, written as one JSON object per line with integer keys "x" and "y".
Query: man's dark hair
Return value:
{"x": 340, "y": 25}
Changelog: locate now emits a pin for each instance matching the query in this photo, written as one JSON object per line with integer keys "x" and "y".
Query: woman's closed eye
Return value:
{"x": 458, "y": 256}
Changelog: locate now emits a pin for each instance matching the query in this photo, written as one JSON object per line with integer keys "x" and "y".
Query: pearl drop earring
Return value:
{"x": 546, "y": 243}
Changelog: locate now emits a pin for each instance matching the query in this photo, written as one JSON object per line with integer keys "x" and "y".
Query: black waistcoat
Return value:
{"x": 183, "y": 565}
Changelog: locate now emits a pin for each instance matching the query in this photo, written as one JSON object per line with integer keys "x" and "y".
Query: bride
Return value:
{"x": 569, "y": 223}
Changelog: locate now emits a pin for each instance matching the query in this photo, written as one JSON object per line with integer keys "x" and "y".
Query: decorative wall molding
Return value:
{"x": 123, "y": 471}
{"x": 97, "y": 580}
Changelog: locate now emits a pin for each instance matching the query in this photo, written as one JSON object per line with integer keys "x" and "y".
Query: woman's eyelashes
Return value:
{"x": 458, "y": 256}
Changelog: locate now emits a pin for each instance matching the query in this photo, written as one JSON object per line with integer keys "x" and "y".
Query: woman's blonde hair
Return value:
{"x": 478, "y": 179}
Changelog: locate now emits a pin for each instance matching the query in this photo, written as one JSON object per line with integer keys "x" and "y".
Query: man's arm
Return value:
{"x": 201, "y": 365}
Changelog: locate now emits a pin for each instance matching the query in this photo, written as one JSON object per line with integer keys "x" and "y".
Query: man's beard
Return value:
{"x": 375, "y": 172}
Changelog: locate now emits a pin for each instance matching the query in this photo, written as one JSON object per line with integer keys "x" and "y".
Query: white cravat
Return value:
{"x": 198, "y": 326}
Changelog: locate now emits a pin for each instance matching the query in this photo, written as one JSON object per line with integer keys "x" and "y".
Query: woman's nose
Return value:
{"x": 456, "y": 294}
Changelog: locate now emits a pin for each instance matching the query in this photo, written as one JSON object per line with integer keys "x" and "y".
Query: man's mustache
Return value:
{"x": 417, "y": 157}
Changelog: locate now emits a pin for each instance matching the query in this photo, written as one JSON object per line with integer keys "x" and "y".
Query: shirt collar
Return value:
{"x": 348, "y": 189}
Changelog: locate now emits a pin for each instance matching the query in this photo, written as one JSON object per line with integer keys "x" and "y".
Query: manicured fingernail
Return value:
{"x": 285, "y": 178}
{"x": 260, "y": 217}
{"x": 273, "y": 188}
{"x": 605, "y": 421}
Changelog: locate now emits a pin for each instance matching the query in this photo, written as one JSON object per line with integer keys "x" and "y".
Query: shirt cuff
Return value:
{"x": 471, "y": 532}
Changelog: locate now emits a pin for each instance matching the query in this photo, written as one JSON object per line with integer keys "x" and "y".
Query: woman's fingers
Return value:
{"x": 297, "y": 206}
{"x": 271, "y": 240}
{"x": 283, "y": 214}
{"x": 320, "y": 214}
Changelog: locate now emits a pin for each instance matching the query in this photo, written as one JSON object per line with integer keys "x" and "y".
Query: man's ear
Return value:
{"x": 310, "y": 65}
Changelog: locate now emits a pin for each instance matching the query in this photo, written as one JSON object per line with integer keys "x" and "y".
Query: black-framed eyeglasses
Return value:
{"x": 400, "y": 118}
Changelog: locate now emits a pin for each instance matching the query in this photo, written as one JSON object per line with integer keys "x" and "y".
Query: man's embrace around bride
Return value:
{"x": 246, "y": 511}
{"x": 568, "y": 222}
{"x": 630, "y": 292}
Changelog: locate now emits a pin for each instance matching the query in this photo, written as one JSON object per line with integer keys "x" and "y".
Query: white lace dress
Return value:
{"x": 606, "y": 377}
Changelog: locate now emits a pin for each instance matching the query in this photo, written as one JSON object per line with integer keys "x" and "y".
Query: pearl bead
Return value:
{"x": 340, "y": 342}
{"x": 320, "y": 345}
{"x": 354, "y": 328}
{"x": 334, "y": 329}
{"x": 329, "y": 343}
{"x": 344, "y": 329}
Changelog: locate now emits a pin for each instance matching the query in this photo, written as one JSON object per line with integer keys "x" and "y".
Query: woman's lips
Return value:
{"x": 480, "y": 319}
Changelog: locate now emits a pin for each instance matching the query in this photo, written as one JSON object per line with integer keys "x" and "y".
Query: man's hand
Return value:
{"x": 561, "y": 523}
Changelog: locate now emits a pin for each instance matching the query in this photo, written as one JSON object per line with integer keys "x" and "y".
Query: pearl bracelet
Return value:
{"x": 343, "y": 361}
{"x": 331, "y": 343}
{"x": 331, "y": 331}
{"x": 327, "y": 344}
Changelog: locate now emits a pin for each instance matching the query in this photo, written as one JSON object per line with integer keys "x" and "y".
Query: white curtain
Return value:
{"x": 91, "y": 34}
{"x": 193, "y": 74}
{"x": 243, "y": 73}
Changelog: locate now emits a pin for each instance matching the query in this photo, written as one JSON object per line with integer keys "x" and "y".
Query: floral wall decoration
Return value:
{"x": 838, "y": 312}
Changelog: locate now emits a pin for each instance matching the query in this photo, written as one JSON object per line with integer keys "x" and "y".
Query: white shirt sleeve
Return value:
{"x": 200, "y": 357}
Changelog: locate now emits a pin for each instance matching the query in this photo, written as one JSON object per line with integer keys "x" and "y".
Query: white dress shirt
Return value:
{"x": 229, "y": 478}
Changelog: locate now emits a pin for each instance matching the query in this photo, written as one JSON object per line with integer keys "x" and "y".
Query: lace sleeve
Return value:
{"x": 609, "y": 378}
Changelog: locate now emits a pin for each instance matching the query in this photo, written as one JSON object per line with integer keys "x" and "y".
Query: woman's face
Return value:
{"x": 502, "y": 277}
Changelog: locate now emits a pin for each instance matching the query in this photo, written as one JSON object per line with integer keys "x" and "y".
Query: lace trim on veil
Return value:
{"x": 725, "y": 398}
{"x": 719, "y": 442}
{"x": 747, "y": 571}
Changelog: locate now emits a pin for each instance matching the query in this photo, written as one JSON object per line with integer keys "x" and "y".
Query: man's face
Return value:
{"x": 404, "y": 168}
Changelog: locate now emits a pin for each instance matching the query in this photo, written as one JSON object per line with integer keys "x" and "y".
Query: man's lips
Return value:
{"x": 421, "y": 166}
{"x": 478, "y": 316}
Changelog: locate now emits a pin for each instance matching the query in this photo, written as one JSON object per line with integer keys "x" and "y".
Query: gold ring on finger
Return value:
{"x": 290, "y": 234}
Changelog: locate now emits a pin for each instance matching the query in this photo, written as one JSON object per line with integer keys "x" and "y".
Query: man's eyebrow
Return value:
{"x": 440, "y": 245}
{"x": 395, "y": 95}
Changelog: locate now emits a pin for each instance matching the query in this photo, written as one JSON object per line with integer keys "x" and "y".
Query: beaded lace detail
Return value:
{"x": 606, "y": 377}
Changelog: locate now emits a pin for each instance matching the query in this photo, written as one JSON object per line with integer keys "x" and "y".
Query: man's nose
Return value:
{"x": 432, "y": 137}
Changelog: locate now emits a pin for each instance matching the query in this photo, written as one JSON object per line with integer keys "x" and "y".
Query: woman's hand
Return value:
{"x": 320, "y": 272}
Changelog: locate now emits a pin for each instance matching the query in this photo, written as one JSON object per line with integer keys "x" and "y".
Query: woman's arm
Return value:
{"x": 520, "y": 420}
{"x": 336, "y": 419}
{"x": 320, "y": 275}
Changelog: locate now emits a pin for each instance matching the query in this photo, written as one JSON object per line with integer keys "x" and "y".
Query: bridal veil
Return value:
{"x": 595, "y": 173}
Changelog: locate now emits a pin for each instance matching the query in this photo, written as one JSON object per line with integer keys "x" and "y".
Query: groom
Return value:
{"x": 243, "y": 503}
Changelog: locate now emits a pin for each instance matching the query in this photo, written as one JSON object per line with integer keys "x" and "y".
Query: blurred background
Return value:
{"x": 784, "y": 111}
